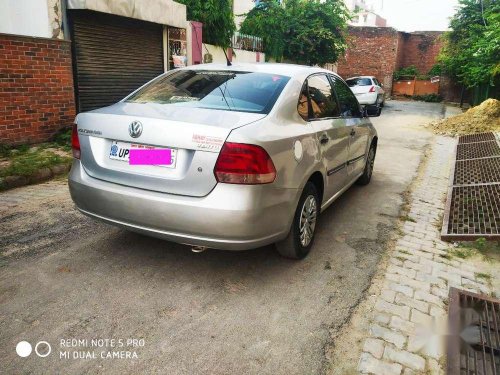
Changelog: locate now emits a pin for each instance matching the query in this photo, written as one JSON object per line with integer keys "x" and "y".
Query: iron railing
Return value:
{"x": 247, "y": 42}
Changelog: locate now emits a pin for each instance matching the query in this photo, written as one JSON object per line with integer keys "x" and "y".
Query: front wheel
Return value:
{"x": 368, "y": 171}
{"x": 299, "y": 241}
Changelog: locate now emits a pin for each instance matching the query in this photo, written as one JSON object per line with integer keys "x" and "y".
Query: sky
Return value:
{"x": 418, "y": 15}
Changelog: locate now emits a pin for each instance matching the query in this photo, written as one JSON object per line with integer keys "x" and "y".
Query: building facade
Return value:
{"x": 78, "y": 55}
{"x": 240, "y": 7}
{"x": 365, "y": 12}
{"x": 61, "y": 57}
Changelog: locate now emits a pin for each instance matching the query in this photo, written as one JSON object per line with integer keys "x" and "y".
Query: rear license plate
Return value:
{"x": 137, "y": 154}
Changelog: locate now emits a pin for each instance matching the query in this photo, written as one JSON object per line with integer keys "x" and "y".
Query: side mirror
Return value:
{"x": 372, "y": 111}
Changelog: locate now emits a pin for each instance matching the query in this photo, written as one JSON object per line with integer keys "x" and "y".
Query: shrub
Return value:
{"x": 430, "y": 98}
{"x": 409, "y": 71}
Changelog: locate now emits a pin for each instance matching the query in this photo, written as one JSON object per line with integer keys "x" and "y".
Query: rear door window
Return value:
{"x": 349, "y": 106}
{"x": 322, "y": 99}
{"x": 303, "y": 105}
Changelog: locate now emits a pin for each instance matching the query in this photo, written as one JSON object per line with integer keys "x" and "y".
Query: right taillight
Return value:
{"x": 372, "y": 89}
{"x": 240, "y": 163}
{"x": 75, "y": 142}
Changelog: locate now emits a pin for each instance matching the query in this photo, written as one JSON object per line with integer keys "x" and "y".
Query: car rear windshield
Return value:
{"x": 359, "y": 82}
{"x": 226, "y": 90}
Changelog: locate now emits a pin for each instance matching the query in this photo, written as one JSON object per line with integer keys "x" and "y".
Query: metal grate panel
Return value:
{"x": 477, "y": 150}
{"x": 474, "y": 210}
{"x": 477, "y": 171}
{"x": 472, "y": 138}
{"x": 472, "y": 207}
{"x": 474, "y": 343}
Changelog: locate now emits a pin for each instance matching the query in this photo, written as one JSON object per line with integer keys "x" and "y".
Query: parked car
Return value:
{"x": 368, "y": 90}
{"x": 227, "y": 157}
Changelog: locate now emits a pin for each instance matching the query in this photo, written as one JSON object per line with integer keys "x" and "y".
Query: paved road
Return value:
{"x": 63, "y": 276}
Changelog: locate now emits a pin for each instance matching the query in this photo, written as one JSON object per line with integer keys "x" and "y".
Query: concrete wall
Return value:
{"x": 36, "y": 88}
{"x": 241, "y": 56}
{"x": 165, "y": 12}
{"x": 25, "y": 17}
{"x": 237, "y": 56}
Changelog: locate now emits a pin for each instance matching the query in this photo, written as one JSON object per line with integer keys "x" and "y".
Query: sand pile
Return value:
{"x": 480, "y": 119}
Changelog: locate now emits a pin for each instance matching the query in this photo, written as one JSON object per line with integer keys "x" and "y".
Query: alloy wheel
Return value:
{"x": 371, "y": 161}
{"x": 308, "y": 220}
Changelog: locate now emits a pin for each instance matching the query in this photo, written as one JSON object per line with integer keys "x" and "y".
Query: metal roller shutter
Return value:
{"x": 113, "y": 56}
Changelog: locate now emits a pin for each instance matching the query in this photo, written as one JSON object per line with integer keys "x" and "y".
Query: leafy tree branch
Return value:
{"x": 303, "y": 31}
{"x": 217, "y": 19}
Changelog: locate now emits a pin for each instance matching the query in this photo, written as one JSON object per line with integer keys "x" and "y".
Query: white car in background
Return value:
{"x": 368, "y": 90}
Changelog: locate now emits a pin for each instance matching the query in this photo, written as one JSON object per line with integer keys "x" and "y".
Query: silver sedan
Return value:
{"x": 227, "y": 157}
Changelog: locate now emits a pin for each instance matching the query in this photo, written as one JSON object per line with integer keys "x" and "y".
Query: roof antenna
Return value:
{"x": 227, "y": 58}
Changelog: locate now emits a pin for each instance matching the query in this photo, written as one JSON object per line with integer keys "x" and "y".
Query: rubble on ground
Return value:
{"x": 480, "y": 119}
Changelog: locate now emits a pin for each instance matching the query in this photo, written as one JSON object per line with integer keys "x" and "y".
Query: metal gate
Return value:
{"x": 112, "y": 56}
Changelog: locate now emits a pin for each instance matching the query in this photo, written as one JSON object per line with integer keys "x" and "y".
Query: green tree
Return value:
{"x": 304, "y": 31}
{"x": 217, "y": 18}
{"x": 471, "y": 53}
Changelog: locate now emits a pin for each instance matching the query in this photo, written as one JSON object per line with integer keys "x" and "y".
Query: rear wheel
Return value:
{"x": 368, "y": 171}
{"x": 299, "y": 241}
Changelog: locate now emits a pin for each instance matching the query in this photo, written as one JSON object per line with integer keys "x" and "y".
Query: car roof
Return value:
{"x": 290, "y": 70}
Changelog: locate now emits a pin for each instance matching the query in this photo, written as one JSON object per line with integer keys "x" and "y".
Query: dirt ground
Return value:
{"x": 64, "y": 276}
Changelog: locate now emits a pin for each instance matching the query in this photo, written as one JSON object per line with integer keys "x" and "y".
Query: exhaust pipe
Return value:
{"x": 198, "y": 249}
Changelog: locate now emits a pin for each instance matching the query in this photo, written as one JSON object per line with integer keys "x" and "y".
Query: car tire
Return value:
{"x": 368, "y": 171}
{"x": 300, "y": 239}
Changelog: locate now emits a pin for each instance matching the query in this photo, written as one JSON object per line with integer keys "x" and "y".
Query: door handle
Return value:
{"x": 324, "y": 139}
{"x": 353, "y": 132}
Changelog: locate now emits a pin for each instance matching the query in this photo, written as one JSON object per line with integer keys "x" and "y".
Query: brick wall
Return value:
{"x": 371, "y": 51}
{"x": 36, "y": 88}
{"x": 420, "y": 49}
{"x": 379, "y": 51}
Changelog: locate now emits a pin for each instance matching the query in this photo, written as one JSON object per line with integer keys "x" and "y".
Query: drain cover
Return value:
{"x": 472, "y": 207}
{"x": 473, "y": 211}
{"x": 474, "y": 340}
{"x": 472, "y": 138}
{"x": 477, "y": 171}
{"x": 477, "y": 150}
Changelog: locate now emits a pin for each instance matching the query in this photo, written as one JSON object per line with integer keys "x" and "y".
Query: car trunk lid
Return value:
{"x": 361, "y": 89}
{"x": 194, "y": 136}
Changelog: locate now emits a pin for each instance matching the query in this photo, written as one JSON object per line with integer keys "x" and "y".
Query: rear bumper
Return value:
{"x": 231, "y": 217}
{"x": 369, "y": 98}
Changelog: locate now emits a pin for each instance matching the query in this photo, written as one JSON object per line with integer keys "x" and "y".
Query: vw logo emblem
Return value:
{"x": 135, "y": 129}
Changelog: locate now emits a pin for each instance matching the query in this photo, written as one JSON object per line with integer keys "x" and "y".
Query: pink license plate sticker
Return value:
{"x": 150, "y": 157}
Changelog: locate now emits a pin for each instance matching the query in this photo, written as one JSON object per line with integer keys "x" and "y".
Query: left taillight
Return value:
{"x": 240, "y": 163}
{"x": 75, "y": 142}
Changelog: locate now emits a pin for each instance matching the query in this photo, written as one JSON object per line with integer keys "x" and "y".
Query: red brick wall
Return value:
{"x": 420, "y": 49}
{"x": 371, "y": 51}
{"x": 36, "y": 88}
